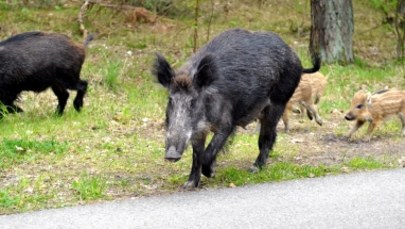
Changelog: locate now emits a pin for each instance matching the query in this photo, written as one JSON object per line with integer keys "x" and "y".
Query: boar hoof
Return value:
{"x": 190, "y": 186}
{"x": 254, "y": 169}
{"x": 208, "y": 171}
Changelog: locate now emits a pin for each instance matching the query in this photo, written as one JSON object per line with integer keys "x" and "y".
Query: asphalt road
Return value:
{"x": 359, "y": 200}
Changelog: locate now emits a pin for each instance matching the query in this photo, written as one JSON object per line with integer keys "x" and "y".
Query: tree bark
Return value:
{"x": 400, "y": 28}
{"x": 195, "y": 38}
{"x": 332, "y": 30}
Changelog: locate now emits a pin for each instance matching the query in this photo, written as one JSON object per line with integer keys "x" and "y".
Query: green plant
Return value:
{"x": 90, "y": 187}
{"x": 112, "y": 74}
{"x": 275, "y": 172}
{"x": 7, "y": 201}
{"x": 19, "y": 150}
{"x": 365, "y": 163}
{"x": 385, "y": 5}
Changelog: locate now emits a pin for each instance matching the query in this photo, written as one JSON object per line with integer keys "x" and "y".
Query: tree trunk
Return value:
{"x": 400, "y": 28}
{"x": 332, "y": 29}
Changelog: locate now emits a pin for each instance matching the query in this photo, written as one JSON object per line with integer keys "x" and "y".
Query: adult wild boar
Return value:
{"x": 35, "y": 61}
{"x": 375, "y": 108}
{"x": 236, "y": 78}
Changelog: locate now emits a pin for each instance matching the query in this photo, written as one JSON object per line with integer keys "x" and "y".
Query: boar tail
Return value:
{"x": 89, "y": 38}
{"x": 316, "y": 61}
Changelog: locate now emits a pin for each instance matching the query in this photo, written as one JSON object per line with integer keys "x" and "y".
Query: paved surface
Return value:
{"x": 360, "y": 200}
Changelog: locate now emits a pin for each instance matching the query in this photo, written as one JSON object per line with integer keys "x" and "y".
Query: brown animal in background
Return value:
{"x": 375, "y": 108}
{"x": 318, "y": 83}
{"x": 307, "y": 94}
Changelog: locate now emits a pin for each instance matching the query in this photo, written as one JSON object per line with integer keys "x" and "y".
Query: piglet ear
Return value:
{"x": 162, "y": 71}
{"x": 368, "y": 99}
{"x": 206, "y": 72}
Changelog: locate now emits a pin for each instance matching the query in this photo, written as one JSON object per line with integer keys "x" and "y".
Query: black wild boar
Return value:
{"x": 35, "y": 61}
{"x": 236, "y": 78}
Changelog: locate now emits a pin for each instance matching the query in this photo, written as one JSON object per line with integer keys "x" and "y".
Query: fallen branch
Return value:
{"x": 81, "y": 16}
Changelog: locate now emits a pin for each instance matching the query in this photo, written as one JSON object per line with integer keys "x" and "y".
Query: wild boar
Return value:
{"x": 318, "y": 84}
{"x": 236, "y": 78}
{"x": 35, "y": 61}
{"x": 375, "y": 108}
{"x": 306, "y": 95}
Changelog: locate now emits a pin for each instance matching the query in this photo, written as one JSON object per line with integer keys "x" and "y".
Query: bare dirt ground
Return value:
{"x": 328, "y": 144}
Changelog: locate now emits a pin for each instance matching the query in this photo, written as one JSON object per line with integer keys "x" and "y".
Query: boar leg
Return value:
{"x": 371, "y": 127}
{"x": 81, "y": 91}
{"x": 311, "y": 111}
{"x": 288, "y": 109}
{"x": 195, "y": 174}
{"x": 14, "y": 109}
{"x": 285, "y": 121}
{"x": 63, "y": 96}
{"x": 402, "y": 117}
{"x": 210, "y": 154}
{"x": 268, "y": 134}
{"x": 310, "y": 115}
{"x": 10, "y": 109}
{"x": 355, "y": 128}
{"x": 8, "y": 103}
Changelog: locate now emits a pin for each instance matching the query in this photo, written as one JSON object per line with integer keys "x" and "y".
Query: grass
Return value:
{"x": 17, "y": 151}
{"x": 7, "y": 201}
{"x": 276, "y": 172}
{"x": 114, "y": 148}
{"x": 365, "y": 163}
{"x": 90, "y": 187}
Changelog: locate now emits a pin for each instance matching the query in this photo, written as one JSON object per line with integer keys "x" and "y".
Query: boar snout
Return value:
{"x": 172, "y": 154}
{"x": 349, "y": 117}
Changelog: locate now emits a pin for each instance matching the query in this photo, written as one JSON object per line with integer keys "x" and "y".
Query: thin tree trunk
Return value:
{"x": 332, "y": 30}
{"x": 400, "y": 28}
{"x": 197, "y": 6}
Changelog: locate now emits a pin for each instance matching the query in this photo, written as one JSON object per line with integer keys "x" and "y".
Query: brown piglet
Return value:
{"x": 375, "y": 108}
{"x": 306, "y": 95}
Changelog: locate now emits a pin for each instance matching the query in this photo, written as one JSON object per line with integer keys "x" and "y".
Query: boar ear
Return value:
{"x": 206, "y": 72}
{"x": 162, "y": 71}
{"x": 368, "y": 98}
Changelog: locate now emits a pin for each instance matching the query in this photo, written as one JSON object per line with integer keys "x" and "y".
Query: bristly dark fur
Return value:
{"x": 381, "y": 91}
{"x": 162, "y": 70}
{"x": 238, "y": 77}
{"x": 182, "y": 82}
{"x": 35, "y": 61}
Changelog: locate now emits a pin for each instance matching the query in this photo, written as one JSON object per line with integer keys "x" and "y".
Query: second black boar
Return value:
{"x": 35, "y": 61}
{"x": 238, "y": 77}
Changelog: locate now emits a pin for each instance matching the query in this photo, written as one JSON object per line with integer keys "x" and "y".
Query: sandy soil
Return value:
{"x": 328, "y": 144}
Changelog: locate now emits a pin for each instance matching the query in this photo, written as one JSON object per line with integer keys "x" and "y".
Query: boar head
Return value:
{"x": 185, "y": 108}
{"x": 359, "y": 108}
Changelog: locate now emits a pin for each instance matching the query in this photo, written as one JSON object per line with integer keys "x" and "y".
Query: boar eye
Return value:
{"x": 359, "y": 106}
{"x": 170, "y": 101}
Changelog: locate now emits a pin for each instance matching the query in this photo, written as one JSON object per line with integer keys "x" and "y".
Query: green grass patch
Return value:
{"x": 25, "y": 194}
{"x": 274, "y": 172}
{"x": 14, "y": 151}
{"x": 7, "y": 201}
{"x": 360, "y": 163}
{"x": 90, "y": 187}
